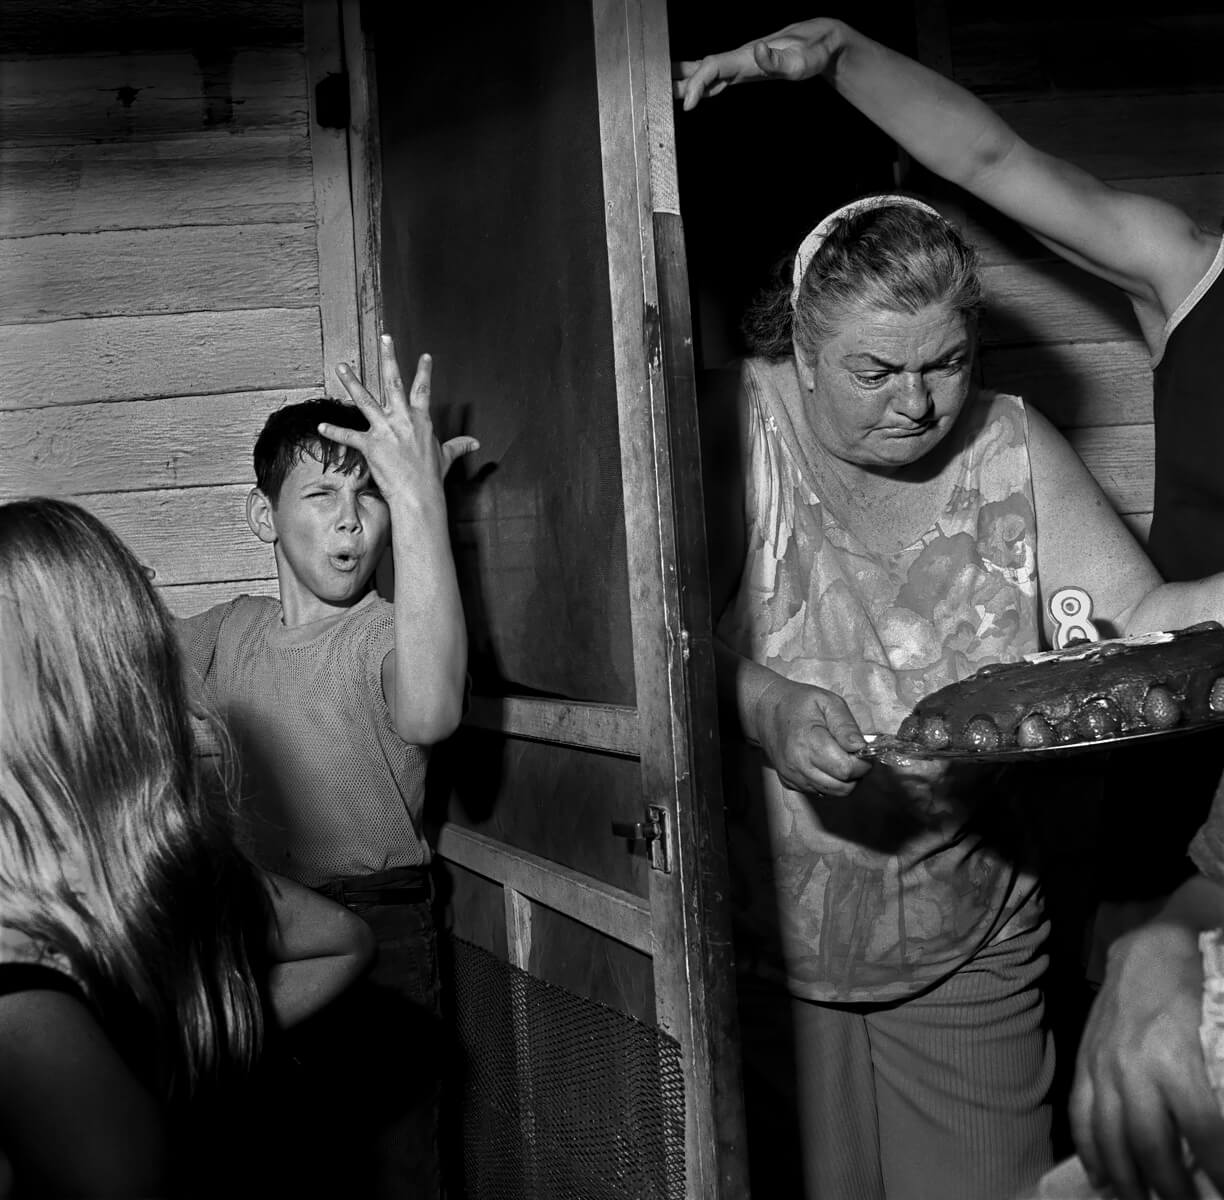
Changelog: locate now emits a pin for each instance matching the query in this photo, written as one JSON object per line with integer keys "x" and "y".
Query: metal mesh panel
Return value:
{"x": 562, "y": 1098}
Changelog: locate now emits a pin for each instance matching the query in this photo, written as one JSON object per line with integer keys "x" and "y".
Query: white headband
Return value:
{"x": 812, "y": 243}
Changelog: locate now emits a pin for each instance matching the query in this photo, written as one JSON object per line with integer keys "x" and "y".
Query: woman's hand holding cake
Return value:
{"x": 806, "y": 732}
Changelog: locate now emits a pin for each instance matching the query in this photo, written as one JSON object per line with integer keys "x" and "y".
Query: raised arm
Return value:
{"x": 1150, "y": 249}
{"x": 317, "y": 948}
{"x": 424, "y": 675}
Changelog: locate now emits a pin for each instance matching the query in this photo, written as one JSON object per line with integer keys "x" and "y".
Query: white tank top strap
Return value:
{"x": 1195, "y": 294}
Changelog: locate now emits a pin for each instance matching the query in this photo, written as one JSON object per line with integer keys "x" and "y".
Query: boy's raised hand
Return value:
{"x": 400, "y": 446}
{"x": 799, "y": 51}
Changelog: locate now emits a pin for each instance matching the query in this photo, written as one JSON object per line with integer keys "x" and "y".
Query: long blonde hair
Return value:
{"x": 111, "y": 851}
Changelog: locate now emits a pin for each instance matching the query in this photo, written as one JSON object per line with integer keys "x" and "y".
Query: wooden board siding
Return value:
{"x": 129, "y": 97}
{"x": 169, "y": 278}
{"x": 1054, "y": 334}
{"x": 1144, "y": 134}
{"x": 121, "y": 272}
{"x": 120, "y": 358}
{"x": 1171, "y": 47}
{"x": 63, "y": 26}
{"x": 189, "y": 599}
{"x": 169, "y": 442}
{"x": 188, "y": 535}
{"x": 1077, "y": 383}
{"x": 211, "y": 178}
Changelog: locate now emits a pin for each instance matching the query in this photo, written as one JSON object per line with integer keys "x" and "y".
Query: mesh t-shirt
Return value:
{"x": 329, "y": 787}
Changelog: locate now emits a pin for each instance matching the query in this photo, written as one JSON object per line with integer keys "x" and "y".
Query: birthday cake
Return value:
{"x": 1088, "y": 691}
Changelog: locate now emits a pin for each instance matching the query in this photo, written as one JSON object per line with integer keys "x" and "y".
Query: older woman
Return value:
{"x": 890, "y": 530}
{"x": 1140, "y": 1089}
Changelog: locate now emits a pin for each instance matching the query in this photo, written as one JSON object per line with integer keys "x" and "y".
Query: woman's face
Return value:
{"x": 889, "y": 386}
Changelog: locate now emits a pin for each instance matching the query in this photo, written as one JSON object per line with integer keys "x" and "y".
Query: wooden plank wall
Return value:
{"x": 1136, "y": 100}
{"x": 160, "y": 249}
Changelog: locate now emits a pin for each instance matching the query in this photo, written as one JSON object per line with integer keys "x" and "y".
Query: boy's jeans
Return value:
{"x": 374, "y": 1058}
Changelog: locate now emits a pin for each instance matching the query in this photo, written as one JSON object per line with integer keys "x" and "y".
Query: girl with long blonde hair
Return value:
{"x": 139, "y": 948}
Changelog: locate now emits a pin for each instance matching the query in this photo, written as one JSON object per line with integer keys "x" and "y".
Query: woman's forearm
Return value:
{"x": 299, "y": 989}
{"x": 946, "y": 128}
{"x": 1176, "y": 605}
{"x": 317, "y": 947}
{"x": 741, "y": 684}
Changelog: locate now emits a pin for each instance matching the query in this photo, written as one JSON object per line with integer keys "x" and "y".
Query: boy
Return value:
{"x": 333, "y": 696}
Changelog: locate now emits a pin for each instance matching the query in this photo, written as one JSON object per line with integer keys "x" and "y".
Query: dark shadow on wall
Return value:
{"x": 760, "y": 165}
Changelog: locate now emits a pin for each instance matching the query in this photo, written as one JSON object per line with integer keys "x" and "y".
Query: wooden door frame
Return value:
{"x": 669, "y": 594}
{"x": 673, "y": 730}
{"x": 340, "y": 201}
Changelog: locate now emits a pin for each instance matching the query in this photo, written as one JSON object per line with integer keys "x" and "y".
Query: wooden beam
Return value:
{"x": 333, "y": 197}
{"x": 365, "y": 174}
{"x": 518, "y": 949}
{"x": 607, "y": 727}
{"x": 616, "y": 913}
{"x": 673, "y": 662}
{"x": 518, "y": 929}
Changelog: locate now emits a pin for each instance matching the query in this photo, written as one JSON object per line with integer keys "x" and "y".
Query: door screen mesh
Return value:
{"x": 561, "y": 1098}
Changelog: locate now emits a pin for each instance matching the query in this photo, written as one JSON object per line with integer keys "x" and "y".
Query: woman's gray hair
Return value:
{"x": 896, "y": 257}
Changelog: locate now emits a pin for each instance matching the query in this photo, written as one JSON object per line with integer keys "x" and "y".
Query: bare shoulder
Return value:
{"x": 1059, "y": 474}
{"x": 51, "y": 1037}
{"x": 73, "y": 1117}
{"x": 35, "y": 1019}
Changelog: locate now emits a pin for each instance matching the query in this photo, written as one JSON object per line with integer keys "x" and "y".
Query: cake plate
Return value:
{"x": 882, "y": 745}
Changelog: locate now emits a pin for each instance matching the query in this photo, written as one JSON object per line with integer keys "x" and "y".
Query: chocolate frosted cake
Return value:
{"x": 1088, "y": 691}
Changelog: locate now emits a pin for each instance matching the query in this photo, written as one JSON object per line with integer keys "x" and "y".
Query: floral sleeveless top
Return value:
{"x": 879, "y": 895}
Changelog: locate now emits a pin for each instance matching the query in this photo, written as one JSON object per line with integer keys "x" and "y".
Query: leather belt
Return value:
{"x": 399, "y": 885}
{"x": 416, "y": 894}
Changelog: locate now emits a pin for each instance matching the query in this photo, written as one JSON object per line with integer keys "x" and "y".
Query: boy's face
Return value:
{"x": 330, "y": 531}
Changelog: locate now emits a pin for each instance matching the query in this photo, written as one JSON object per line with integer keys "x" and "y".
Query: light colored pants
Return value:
{"x": 944, "y": 1096}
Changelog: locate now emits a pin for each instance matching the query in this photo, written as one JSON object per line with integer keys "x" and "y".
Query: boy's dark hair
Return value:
{"x": 292, "y": 432}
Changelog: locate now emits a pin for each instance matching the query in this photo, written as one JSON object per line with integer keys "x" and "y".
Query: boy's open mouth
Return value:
{"x": 344, "y": 561}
